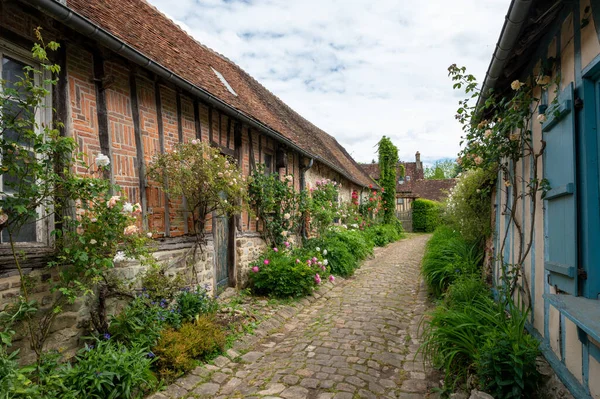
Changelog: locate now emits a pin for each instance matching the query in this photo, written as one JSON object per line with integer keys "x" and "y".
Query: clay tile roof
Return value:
{"x": 143, "y": 27}
{"x": 436, "y": 190}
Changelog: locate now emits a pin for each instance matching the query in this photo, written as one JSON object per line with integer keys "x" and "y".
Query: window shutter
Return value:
{"x": 561, "y": 205}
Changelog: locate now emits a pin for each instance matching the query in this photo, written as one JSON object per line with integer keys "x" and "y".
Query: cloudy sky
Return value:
{"x": 358, "y": 69}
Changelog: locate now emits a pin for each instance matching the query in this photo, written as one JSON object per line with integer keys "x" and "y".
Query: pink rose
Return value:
{"x": 255, "y": 269}
{"x": 266, "y": 262}
{"x": 130, "y": 230}
{"x": 112, "y": 201}
{"x": 275, "y": 249}
{"x": 331, "y": 278}
{"x": 317, "y": 278}
{"x": 137, "y": 209}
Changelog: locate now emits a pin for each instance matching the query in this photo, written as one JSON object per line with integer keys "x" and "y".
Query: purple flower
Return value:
{"x": 106, "y": 336}
{"x": 151, "y": 355}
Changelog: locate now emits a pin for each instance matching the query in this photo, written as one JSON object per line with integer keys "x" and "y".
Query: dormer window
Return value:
{"x": 224, "y": 81}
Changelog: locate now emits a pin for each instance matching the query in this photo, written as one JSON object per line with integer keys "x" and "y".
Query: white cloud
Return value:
{"x": 359, "y": 69}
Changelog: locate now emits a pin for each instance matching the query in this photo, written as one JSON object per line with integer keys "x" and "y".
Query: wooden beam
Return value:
{"x": 161, "y": 143}
{"x": 197, "y": 123}
{"x": 101, "y": 111}
{"x": 228, "y": 131}
{"x": 139, "y": 147}
{"x": 220, "y": 127}
{"x": 180, "y": 136}
{"x": 210, "y": 125}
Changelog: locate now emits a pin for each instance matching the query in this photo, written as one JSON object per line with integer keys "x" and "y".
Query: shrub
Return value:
{"x": 358, "y": 243}
{"x": 464, "y": 291}
{"x": 425, "y": 215}
{"x": 506, "y": 362}
{"x": 452, "y": 337}
{"x": 158, "y": 285}
{"x": 111, "y": 370}
{"x": 177, "y": 349}
{"x": 383, "y": 234}
{"x": 468, "y": 205}
{"x": 340, "y": 259}
{"x": 190, "y": 303}
{"x": 280, "y": 274}
{"x": 142, "y": 321}
{"x": 448, "y": 256}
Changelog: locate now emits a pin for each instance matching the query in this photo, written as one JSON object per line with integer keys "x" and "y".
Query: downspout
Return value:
{"x": 303, "y": 171}
{"x": 513, "y": 23}
{"x": 70, "y": 18}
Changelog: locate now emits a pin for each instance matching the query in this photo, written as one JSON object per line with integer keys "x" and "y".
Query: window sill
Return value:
{"x": 584, "y": 312}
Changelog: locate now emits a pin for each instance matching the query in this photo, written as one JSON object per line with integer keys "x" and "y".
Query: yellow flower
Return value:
{"x": 507, "y": 183}
{"x": 514, "y": 137}
{"x": 516, "y": 85}
{"x": 488, "y": 133}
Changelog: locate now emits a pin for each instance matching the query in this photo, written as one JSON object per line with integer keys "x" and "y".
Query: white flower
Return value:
{"x": 318, "y": 249}
{"x": 284, "y": 233}
{"x": 102, "y": 160}
{"x": 516, "y": 85}
{"x": 149, "y": 235}
{"x": 194, "y": 141}
{"x": 128, "y": 207}
{"x": 325, "y": 262}
{"x": 324, "y": 252}
{"x": 92, "y": 241}
{"x": 119, "y": 257}
{"x": 289, "y": 178}
{"x": 541, "y": 118}
{"x": 287, "y": 216}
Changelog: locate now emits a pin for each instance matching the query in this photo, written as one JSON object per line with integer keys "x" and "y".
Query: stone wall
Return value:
{"x": 248, "y": 249}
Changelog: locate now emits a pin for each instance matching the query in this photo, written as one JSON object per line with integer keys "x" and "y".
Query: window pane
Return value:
{"x": 12, "y": 73}
{"x": 27, "y": 233}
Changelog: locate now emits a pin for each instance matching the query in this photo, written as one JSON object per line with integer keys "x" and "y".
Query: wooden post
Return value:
{"x": 180, "y": 136}
{"x": 210, "y": 125}
{"x": 101, "y": 111}
{"x": 139, "y": 147}
{"x": 197, "y": 123}
{"x": 161, "y": 142}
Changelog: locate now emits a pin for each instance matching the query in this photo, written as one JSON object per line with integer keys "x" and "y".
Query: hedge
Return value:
{"x": 426, "y": 215}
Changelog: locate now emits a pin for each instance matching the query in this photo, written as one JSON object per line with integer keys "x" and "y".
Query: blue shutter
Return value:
{"x": 561, "y": 207}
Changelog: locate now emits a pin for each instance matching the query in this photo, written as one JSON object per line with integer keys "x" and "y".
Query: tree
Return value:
{"x": 442, "y": 169}
{"x": 388, "y": 160}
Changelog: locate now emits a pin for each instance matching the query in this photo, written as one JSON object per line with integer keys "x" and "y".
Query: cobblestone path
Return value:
{"x": 356, "y": 341}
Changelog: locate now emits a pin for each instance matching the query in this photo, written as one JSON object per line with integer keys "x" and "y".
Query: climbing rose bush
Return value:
{"x": 323, "y": 206}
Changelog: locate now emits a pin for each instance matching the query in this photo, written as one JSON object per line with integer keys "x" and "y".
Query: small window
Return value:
{"x": 407, "y": 178}
{"x": 268, "y": 159}
{"x": 400, "y": 201}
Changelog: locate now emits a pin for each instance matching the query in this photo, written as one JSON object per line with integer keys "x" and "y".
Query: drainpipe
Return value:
{"x": 80, "y": 24}
{"x": 303, "y": 171}
{"x": 515, "y": 19}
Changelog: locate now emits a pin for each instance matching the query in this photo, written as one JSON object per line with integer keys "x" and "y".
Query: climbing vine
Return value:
{"x": 388, "y": 160}
{"x": 498, "y": 136}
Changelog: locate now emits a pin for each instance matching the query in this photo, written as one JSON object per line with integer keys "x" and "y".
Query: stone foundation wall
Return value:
{"x": 248, "y": 249}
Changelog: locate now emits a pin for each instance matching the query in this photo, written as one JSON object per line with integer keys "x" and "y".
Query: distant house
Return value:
{"x": 412, "y": 183}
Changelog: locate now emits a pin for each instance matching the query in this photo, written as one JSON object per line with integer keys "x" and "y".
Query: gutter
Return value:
{"x": 513, "y": 23}
{"x": 79, "y": 23}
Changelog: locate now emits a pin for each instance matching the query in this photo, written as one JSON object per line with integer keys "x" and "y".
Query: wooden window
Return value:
{"x": 268, "y": 161}
{"x": 11, "y": 72}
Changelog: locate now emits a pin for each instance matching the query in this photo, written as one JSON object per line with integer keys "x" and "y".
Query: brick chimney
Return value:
{"x": 419, "y": 172}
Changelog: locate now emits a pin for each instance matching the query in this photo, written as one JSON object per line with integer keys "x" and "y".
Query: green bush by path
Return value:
{"x": 448, "y": 256}
{"x": 426, "y": 215}
{"x": 383, "y": 234}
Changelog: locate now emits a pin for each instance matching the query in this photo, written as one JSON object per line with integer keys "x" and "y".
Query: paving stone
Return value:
{"x": 252, "y": 357}
{"x": 272, "y": 389}
{"x": 230, "y": 386}
{"x": 291, "y": 379}
{"x": 174, "y": 391}
{"x": 309, "y": 383}
{"x": 221, "y": 361}
{"x": 209, "y": 389}
{"x": 295, "y": 393}
{"x": 418, "y": 386}
{"x": 189, "y": 382}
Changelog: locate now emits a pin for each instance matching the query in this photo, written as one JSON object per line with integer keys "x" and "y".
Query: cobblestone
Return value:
{"x": 355, "y": 339}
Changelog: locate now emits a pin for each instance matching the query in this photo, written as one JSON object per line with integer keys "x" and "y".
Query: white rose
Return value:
{"x": 541, "y": 118}
{"x": 149, "y": 235}
{"x": 516, "y": 85}
{"x": 318, "y": 249}
{"x": 102, "y": 160}
{"x": 194, "y": 141}
{"x": 325, "y": 262}
{"x": 128, "y": 207}
{"x": 92, "y": 241}
{"x": 119, "y": 257}
{"x": 324, "y": 252}
{"x": 287, "y": 216}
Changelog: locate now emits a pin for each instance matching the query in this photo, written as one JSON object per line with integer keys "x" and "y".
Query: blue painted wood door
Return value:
{"x": 561, "y": 204}
{"x": 222, "y": 251}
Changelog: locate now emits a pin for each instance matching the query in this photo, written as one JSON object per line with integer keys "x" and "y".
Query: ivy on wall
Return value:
{"x": 388, "y": 160}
